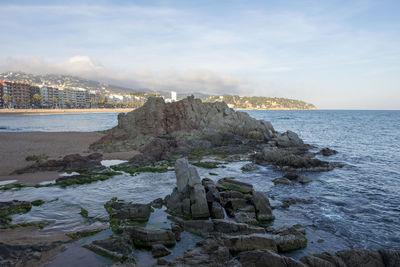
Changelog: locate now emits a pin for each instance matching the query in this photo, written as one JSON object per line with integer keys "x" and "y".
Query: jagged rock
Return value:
{"x": 130, "y": 211}
{"x": 249, "y": 242}
{"x": 245, "y": 217}
{"x": 212, "y": 193}
{"x": 148, "y": 237}
{"x": 291, "y": 175}
{"x": 157, "y": 203}
{"x": 231, "y": 184}
{"x": 160, "y": 130}
{"x": 289, "y": 139}
{"x": 159, "y": 250}
{"x": 290, "y": 238}
{"x": 282, "y": 180}
{"x": 250, "y": 167}
{"x": 353, "y": 257}
{"x": 361, "y": 257}
{"x": 115, "y": 247}
{"x": 182, "y": 173}
{"x": 390, "y": 257}
{"x": 20, "y": 255}
{"x": 201, "y": 227}
{"x": 266, "y": 258}
{"x": 199, "y": 206}
{"x": 208, "y": 252}
{"x": 189, "y": 197}
{"x": 217, "y": 211}
{"x": 327, "y": 152}
{"x": 292, "y": 159}
{"x": 70, "y": 163}
{"x": 233, "y": 228}
{"x": 177, "y": 230}
{"x": 231, "y": 194}
{"x": 262, "y": 206}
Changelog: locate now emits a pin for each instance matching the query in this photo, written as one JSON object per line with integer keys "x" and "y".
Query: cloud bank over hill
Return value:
{"x": 336, "y": 54}
{"x": 83, "y": 66}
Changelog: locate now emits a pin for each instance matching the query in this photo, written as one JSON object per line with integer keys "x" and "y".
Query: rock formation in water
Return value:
{"x": 162, "y": 130}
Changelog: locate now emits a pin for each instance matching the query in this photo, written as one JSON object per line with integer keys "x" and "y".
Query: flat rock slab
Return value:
{"x": 149, "y": 237}
{"x": 234, "y": 185}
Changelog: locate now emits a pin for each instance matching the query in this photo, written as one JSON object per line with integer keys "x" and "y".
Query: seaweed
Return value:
{"x": 85, "y": 233}
{"x": 37, "y": 202}
{"x": 84, "y": 213}
{"x": 132, "y": 170}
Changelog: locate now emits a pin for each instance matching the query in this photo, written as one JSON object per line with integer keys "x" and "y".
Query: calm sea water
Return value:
{"x": 357, "y": 206}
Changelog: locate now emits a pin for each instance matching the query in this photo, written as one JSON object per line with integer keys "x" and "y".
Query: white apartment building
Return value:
{"x": 49, "y": 96}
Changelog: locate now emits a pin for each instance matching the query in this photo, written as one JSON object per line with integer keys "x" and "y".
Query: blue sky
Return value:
{"x": 334, "y": 54}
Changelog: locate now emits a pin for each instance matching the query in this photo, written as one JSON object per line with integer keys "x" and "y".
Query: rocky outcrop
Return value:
{"x": 293, "y": 159}
{"x": 214, "y": 252}
{"x": 195, "y": 198}
{"x": 70, "y": 163}
{"x": 162, "y": 130}
{"x": 24, "y": 255}
{"x": 189, "y": 197}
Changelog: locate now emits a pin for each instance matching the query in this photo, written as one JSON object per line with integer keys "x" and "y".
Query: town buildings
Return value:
{"x": 25, "y": 95}
{"x": 49, "y": 97}
{"x": 14, "y": 94}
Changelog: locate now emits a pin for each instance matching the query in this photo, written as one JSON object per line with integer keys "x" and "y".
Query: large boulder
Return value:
{"x": 262, "y": 206}
{"x": 290, "y": 238}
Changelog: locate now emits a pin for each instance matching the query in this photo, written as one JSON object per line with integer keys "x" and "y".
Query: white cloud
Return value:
{"x": 86, "y": 67}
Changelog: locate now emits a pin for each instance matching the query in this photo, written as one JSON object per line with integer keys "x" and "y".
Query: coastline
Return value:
{"x": 25, "y": 112}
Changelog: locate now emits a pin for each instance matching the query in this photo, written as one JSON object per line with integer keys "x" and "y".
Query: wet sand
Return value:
{"x": 15, "y": 147}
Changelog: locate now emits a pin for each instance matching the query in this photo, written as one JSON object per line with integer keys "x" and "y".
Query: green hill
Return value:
{"x": 260, "y": 102}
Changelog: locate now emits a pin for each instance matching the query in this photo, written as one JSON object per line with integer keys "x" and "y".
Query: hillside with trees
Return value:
{"x": 260, "y": 102}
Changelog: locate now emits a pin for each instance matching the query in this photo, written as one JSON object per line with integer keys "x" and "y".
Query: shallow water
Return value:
{"x": 353, "y": 207}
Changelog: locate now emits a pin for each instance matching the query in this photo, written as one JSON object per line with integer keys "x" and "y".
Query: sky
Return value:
{"x": 335, "y": 54}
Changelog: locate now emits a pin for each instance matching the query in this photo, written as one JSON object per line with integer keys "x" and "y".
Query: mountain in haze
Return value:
{"x": 67, "y": 81}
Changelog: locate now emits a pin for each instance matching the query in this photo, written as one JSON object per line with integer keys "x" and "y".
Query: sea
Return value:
{"x": 357, "y": 206}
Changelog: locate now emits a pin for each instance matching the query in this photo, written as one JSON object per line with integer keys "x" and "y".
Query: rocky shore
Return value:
{"x": 233, "y": 219}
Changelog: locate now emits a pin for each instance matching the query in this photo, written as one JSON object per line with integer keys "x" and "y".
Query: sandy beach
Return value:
{"x": 22, "y": 112}
{"x": 15, "y": 147}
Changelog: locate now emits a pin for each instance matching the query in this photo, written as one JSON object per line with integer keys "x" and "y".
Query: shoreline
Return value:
{"x": 27, "y": 112}
{"x": 16, "y": 146}
{"x": 30, "y": 112}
